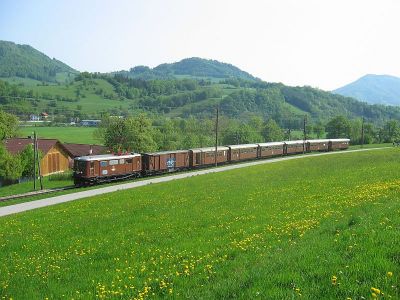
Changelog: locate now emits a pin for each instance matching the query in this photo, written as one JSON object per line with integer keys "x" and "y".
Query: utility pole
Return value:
{"x": 34, "y": 160}
{"x": 362, "y": 133}
{"x": 39, "y": 168}
{"x": 216, "y": 138}
{"x": 304, "y": 134}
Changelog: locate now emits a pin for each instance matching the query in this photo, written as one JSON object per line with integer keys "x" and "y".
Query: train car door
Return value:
{"x": 92, "y": 169}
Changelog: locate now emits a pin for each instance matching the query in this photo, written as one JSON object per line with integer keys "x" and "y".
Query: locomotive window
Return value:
{"x": 103, "y": 164}
{"x": 121, "y": 161}
{"x": 128, "y": 160}
{"x": 113, "y": 162}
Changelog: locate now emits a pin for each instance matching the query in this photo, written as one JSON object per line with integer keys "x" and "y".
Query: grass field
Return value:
{"x": 54, "y": 181}
{"x": 315, "y": 228}
{"x": 79, "y": 135}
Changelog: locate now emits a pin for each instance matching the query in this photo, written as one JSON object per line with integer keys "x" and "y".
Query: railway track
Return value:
{"x": 49, "y": 191}
{"x": 35, "y": 193}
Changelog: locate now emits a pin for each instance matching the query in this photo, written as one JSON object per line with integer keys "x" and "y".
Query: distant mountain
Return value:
{"x": 189, "y": 67}
{"x": 26, "y": 62}
{"x": 374, "y": 89}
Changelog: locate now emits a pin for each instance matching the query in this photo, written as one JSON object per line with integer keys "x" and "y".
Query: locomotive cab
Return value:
{"x": 106, "y": 168}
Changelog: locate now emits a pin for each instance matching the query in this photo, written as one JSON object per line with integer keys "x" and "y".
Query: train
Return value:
{"x": 95, "y": 169}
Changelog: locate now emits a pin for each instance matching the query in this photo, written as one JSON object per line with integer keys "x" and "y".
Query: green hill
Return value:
{"x": 375, "y": 89}
{"x": 189, "y": 67}
{"x": 91, "y": 95}
{"x": 23, "y": 61}
{"x": 190, "y": 87}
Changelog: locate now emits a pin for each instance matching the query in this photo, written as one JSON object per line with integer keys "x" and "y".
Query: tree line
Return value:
{"x": 146, "y": 133}
{"x": 142, "y": 133}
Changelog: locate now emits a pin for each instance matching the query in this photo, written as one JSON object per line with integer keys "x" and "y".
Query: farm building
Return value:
{"x": 55, "y": 155}
{"x": 76, "y": 150}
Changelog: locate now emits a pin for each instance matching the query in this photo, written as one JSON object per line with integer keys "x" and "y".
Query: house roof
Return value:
{"x": 76, "y": 150}
{"x": 16, "y": 145}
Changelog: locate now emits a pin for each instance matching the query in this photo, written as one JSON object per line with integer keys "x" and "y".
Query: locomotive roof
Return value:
{"x": 270, "y": 144}
{"x": 243, "y": 146}
{"x": 209, "y": 149}
{"x": 167, "y": 152}
{"x": 106, "y": 157}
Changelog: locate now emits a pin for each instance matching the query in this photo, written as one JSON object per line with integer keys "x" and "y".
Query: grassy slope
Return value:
{"x": 256, "y": 232}
{"x": 80, "y": 135}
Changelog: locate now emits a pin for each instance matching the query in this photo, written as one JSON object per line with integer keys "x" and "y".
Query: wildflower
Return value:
{"x": 334, "y": 280}
{"x": 389, "y": 274}
{"x": 375, "y": 291}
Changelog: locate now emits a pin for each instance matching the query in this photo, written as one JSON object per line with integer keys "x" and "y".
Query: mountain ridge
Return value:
{"x": 195, "y": 67}
{"x": 24, "y": 61}
{"x": 374, "y": 89}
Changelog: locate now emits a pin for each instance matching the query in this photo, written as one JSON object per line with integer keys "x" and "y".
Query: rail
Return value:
{"x": 35, "y": 193}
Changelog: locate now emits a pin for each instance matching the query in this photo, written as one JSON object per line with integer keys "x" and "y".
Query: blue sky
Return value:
{"x": 324, "y": 44}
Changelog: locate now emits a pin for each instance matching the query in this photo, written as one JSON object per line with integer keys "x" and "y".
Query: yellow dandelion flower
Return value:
{"x": 375, "y": 290}
{"x": 389, "y": 274}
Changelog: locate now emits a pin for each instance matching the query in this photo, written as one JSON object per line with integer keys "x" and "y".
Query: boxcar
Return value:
{"x": 317, "y": 145}
{"x": 206, "y": 156}
{"x": 166, "y": 161}
{"x": 270, "y": 149}
{"x": 107, "y": 167}
{"x": 293, "y": 147}
{"x": 242, "y": 152}
{"x": 338, "y": 144}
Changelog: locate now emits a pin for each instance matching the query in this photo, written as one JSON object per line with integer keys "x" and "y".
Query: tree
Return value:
{"x": 27, "y": 160}
{"x": 319, "y": 130}
{"x": 133, "y": 133}
{"x": 140, "y": 134}
{"x": 272, "y": 132}
{"x": 338, "y": 127}
{"x": 390, "y": 131}
{"x": 10, "y": 165}
{"x": 8, "y": 125}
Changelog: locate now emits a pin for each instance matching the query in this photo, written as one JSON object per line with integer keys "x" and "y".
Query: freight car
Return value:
{"x": 165, "y": 161}
{"x": 104, "y": 168}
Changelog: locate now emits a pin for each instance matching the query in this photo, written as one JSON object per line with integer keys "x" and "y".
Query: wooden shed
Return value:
{"x": 55, "y": 157}
{"x": 77, "y": 150}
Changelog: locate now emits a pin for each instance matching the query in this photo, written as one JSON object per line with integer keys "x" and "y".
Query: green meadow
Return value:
{"x": 79, "y": 135}
{"x": 315, "y": 228}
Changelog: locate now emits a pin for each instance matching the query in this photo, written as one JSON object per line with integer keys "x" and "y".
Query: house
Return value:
{"x": 34, "y": 118}
{"x": 44, "y": 115}
{"x": 90, "y": 123}
{"x": 76, "y": 150}
{"x": 55, "y": 156}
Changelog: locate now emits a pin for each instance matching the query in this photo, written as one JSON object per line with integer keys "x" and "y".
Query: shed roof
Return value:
{"x": 76, "y": 150}
{"x": 16, "y": 145}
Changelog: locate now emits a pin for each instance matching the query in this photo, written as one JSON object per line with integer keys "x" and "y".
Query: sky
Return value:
{"x": 321, "y": 43}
